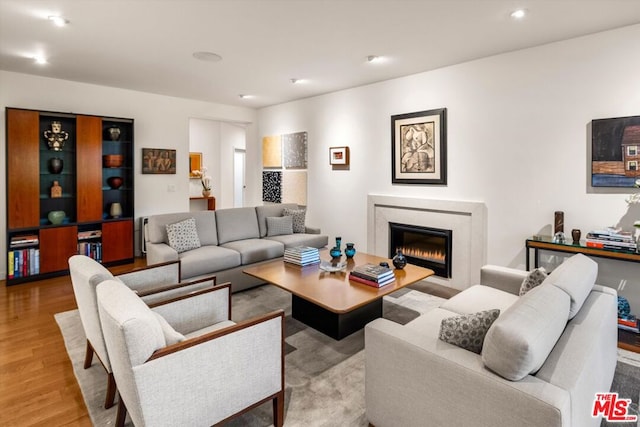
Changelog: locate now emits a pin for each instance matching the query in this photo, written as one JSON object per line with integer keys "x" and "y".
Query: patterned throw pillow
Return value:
{"x": 468, "y": 330}
{"x": 279, "y": 225}
{"x": 533, "y": 279}
{"x": 183, "y": 235}
{"x": 298, "y": 218}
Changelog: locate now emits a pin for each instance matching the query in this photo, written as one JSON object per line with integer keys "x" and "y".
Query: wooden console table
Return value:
{"x": 546, "y": 243}
{"x": 211, "y": 201}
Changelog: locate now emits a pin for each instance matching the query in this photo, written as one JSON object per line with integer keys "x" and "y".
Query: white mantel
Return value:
{"x": 468, "y": 220}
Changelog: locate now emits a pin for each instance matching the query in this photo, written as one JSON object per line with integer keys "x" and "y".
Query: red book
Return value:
{"x": 369, "y": 282}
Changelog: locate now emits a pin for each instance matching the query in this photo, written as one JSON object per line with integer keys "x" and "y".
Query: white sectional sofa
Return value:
{"x": 230, "y": 240}
{"x": 542, "y": 361}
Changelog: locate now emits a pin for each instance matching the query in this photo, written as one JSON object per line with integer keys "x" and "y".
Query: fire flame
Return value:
{"x": 430, "y": 255}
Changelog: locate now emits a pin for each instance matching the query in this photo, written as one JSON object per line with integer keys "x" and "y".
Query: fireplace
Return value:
{"x": 423, "y": 246}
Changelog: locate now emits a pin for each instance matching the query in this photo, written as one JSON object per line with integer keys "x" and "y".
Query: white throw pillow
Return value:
{"x": 279, "y": 225}
{"x": 183, "y": 235}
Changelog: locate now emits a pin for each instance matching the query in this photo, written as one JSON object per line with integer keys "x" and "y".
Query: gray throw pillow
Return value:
{"x": 533, "y": 279}
{"x": 279, "y": 225}
{"x": 468, "y": 330}
{"x": 183, "y": 235}
{"x": 298, "y": 216}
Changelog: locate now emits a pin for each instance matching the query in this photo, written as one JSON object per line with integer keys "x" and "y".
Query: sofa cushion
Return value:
{"x": 576, "y": 276}
{"x": 301, "y": 239}
{"x": 298, "y": 216}
{"x": 279, "y": 225}
{"x": 206, "y": 259}
{"x": 171, "y": 336}
{"x": 236, "y": 224}
{"x": 255, "y": 250}
{"x": 533, "y": 279}
{"x": 468, "y": 330}
{"x": 183, "y": 235}
{"x": 265, "y": 211}
{"x": 156, "y": 230}
{"x": 519, "y": 342}
{"x": 479, "y": 298}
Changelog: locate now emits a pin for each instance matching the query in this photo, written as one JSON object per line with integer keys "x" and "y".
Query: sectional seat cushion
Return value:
{"x": 237, "y": 224}
{"x": 205, "y": 226}
{"x": 272, "y": 210}
{"x": 479, "y": 298}
{"x": 206, "y": 259}
{"x": 279, "y": 225}
{"x": 301, "y": 239}
{"x": 519, "y": 342}
{"x": 256, "y": 250}
{"x": 576, "y": 276}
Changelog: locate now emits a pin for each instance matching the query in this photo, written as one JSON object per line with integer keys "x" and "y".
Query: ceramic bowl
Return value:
{"x": 115, "y": 182}
{"x": 56, "y": 217}
{"x": 112, "y": 160}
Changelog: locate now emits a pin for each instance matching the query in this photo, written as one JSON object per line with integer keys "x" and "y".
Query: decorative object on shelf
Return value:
{"x": 195, "y": 164}
{"x": 559, "y": 237}
{"x": 350, "y": 251}
{"x": 336, "y": 251}
{"x": 558, "y": 222}
{"x": 115, "y": 182}
{"x": 112, "y": 160}
{"x": 56, "y": 217}
{"x": 339, "y": 156}
{"x": 624, "y": 309}
{"x": 116, "y": 210}
{"x": 399, "y": 260}
{"x": 419, "y": 147}
{"x": 114, "y": 133}
{"x": 158, "y": 161}
{"x": 575, "y": 234}
{"x": 634, "y": 199}
{"x": 56, "y": 190}
{"x": 331, "y": 266}
{"x": 55, "y": 165}
{"x": 55, "y": 136}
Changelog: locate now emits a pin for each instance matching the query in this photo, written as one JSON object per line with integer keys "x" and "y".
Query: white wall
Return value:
{"x": 160, "y": 121}
{"x": 204, "y": 137}
{"x": 518, "y": 140}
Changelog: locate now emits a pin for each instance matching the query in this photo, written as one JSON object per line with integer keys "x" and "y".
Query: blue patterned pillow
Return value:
{"x": 468, "y": 330}
{"x": 183, "y": 235}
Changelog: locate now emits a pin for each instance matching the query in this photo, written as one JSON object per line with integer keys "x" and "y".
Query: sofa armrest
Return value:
{"x": 411, "y": 377}
{"x": 145, "y": 279}
{"x": 160, "y": 252}
{"x": 197, "y": 310}
{"x": 311, "y": 230}
{"x": 167, "y": 292}
{"x": 503, "y": 278}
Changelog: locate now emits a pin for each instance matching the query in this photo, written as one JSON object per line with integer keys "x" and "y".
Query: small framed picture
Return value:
{"x": 339, "y": 156}
{"x": 195, "y": 164}
{"x": 158, "y": 161}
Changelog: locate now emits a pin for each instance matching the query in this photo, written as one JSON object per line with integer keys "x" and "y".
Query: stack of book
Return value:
{"x": 611, "y": 238}
{"x": 302, "y": 255}
{"x": 372, "y": 275}
{"x": 630, "y": 324}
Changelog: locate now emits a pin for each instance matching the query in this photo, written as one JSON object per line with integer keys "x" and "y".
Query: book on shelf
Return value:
{"x": 90, "y": 234}
{"x": 372, "y": 283}
{"x": 632, "y": 321}
{"x": 611, "y": 245}
{"x": 26, "y": 240}
{"x": 372, "y": 272}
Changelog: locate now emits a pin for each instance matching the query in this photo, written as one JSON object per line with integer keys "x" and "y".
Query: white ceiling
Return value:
{"x": 147, "y": 45}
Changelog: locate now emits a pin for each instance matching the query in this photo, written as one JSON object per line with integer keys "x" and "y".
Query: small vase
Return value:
{"x": 56, "y": 217}
{"x": 335, "y": 252}
{"x": 115, "y": 182}
{"x": 116, "y": 210}
{"x": 399, "y": 261}
{"x": 575, "y": 234}
{"x": 114, "y": 133}
{"x": 55, "y": 165}
{"x": 339, "y": 243}
{"x": 206, "y": 193}
{"x": 350, "y": 251}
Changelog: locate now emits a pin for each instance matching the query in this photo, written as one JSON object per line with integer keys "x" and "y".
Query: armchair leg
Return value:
{"x": 121, "y": 415}
{"x": 88, "y": 356}
{"x": 278, "y": 410}
{"x": 111, "y": 391}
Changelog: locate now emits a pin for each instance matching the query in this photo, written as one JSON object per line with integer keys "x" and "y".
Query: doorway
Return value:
{"x": 239, "y": 179}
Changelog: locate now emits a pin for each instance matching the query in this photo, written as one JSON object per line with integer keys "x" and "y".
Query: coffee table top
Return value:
{"x": 334, "y": 291}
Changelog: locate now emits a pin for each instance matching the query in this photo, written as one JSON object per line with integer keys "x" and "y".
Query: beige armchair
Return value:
{"x": 184, "y": 362}
{"x": 152, "y": 283}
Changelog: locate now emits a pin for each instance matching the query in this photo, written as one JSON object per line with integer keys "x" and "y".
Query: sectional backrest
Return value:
{"x": 237, "y": 224}
{"x": 205, "y": 226}
{"x": 270, "y": 210}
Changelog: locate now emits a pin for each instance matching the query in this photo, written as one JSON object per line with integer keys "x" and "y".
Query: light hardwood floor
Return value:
{"x": 37, "y": 384}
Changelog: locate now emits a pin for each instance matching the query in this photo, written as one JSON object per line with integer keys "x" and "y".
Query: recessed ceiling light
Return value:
{"x": 374, "y": 58}
{"x": 58, "y": 21}
{"x": 207, "y": 56}
{"x": 297, "y": 81}
{"x": 243, "y": 96}
{"x": 40, "y": 60}
{"x": 519, "y": 14}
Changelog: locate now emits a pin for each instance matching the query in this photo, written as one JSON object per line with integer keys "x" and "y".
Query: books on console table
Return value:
{"x": 632, "y": 325}
{"x": 375, "y": 284}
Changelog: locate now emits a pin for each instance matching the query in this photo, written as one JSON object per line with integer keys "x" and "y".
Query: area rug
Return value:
{"x": 324, "y": 378}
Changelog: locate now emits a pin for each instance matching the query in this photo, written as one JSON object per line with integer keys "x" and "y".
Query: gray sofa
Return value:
{"x": 230, "y": 240}
{"x": 542, "y": 361}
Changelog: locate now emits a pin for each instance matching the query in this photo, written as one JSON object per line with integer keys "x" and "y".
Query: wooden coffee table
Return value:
{"x": 329, "y": 302}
